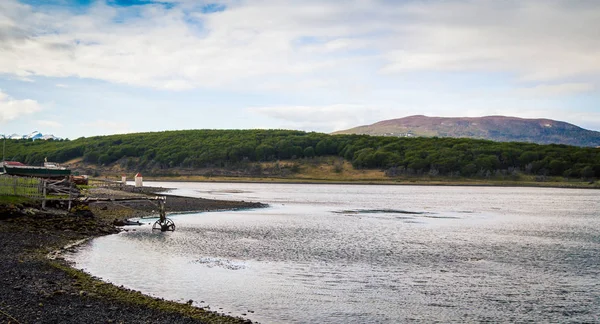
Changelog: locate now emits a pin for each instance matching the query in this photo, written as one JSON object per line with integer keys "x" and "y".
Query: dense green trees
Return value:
{"x": 221, "y": 148}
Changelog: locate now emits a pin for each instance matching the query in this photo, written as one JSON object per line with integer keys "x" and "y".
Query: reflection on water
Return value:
{"x": 371, "y": 254}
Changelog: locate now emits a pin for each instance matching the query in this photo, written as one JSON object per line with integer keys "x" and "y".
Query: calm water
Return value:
{"x": 370, "y": 254}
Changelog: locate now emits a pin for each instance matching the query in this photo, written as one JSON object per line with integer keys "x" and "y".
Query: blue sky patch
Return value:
{"x": 212, "y": 8}
{"x": 87, "y": 3}
{"x": 61, "y": 3}
{"x": 129, "y": 3}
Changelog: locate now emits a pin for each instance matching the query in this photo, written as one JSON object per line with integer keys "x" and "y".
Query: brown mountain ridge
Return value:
{"x": 495, "y": 128}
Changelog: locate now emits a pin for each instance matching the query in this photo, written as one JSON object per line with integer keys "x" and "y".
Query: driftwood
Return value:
{"x": 91, "y": 199}
{"x": 61, "y": 187}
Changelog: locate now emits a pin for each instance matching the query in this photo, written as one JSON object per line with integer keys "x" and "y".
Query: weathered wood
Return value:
{"x": 70, "y": 195}
{"x": 44, "y": 195}
{"x": 90, "y": 199}
{"x": 162, "y": 212}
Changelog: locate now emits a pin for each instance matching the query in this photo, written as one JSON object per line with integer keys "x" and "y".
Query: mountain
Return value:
{"x": 35, "y": 135}
{"x": 495, "y": 128}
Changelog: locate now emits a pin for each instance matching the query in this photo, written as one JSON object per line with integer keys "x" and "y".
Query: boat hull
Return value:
{"x": 39, "y": 172}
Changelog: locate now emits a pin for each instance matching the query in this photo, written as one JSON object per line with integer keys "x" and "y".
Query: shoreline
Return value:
{"x": 40, "y": 286}
{"x": 415, "y": 182}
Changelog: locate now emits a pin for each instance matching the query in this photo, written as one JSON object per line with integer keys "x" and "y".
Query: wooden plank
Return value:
{"x": 90, "y": 199}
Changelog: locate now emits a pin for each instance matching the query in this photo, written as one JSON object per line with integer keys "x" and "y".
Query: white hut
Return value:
{"x": 123, "y": 179}
{"x": 138, "y": 180}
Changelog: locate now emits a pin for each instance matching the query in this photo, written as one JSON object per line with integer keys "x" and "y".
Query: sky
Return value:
{"x": 77, "y": 68}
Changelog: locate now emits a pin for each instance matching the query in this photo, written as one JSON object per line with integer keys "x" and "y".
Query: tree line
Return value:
{"x": 227, "y": 148}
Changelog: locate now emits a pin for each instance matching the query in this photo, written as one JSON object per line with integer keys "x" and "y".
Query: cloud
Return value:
{"x": 323, "y": 118}
{"x": 536, "y": 40}
{"x": 11, "y": 108}
{"x": 247, "y": 44}
{"x": 557, "y": 89}
{"x": 109, "y": 127}
{"x": 49, "y": 123}
{"x": 60, "y": 85}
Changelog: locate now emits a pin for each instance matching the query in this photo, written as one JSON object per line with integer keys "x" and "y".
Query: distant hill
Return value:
{"x": 495, "y": 128}
{"x": 35, "y": 135}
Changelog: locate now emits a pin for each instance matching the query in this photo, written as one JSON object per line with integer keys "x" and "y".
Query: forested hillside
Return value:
{"x": 236, "y": 148}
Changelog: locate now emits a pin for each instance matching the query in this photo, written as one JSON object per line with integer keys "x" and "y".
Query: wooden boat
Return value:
{"x": 49, "y": 170}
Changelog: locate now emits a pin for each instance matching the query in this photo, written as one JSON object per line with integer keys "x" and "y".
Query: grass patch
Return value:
{"x": 20, "y": 186}
{"x": 15, "y": 200}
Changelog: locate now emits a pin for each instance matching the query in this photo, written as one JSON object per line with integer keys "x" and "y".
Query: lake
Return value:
{"x": 370, "y": 254}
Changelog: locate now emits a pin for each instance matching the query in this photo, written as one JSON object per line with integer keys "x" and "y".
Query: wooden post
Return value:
{"x": 162, "y": 213}
{"x": 44, "y": 194}
{"x": 15, "y": 185}
{"x": 70, "y": 193}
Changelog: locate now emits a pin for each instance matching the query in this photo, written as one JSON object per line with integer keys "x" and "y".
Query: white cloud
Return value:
{"x": 108, "y": 127}
{"x": 11, "y": 108}
{"x": 322, "y": 118}
{"x": 557, "y": 89}
{"x": 49, "y": 123}
{"x": 536, "y": 40}
{"x": 362, "y": 52}
{"x": 256, "y": 43}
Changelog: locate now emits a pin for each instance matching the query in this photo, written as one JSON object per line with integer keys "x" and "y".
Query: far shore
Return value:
{"x": 416, "y": 181}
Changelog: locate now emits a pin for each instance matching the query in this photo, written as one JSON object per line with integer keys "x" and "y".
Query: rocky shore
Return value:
{"x": 39, "y": 289}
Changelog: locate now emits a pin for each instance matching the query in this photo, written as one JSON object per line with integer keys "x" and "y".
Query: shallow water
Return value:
{"x": 370, "y": 254}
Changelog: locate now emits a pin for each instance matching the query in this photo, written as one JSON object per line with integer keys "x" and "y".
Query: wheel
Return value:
{"x": 167, "y": 225}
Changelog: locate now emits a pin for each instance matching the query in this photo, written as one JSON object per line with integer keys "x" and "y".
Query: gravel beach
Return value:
{"x": 38, "y": 289}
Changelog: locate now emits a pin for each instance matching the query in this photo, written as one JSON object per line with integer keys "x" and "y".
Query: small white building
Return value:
{"x": 138, "y": 180}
